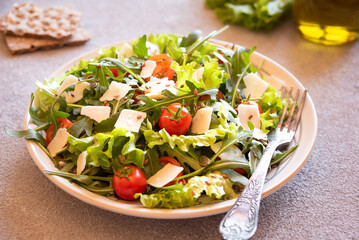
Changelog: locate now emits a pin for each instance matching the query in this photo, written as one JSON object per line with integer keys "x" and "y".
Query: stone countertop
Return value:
{"x": 321, "y": 202}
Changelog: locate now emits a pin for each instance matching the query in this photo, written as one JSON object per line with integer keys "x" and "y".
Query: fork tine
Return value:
{"x": 284, "y": 88}
{"x": 289, "y": 119}
{"x": 299, "y": 112}
{"x": 288, "y": 94}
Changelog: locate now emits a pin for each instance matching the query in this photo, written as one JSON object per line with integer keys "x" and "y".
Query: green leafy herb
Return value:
{"x": 28, "y": 134}
{"x": 83, "y": 125}
{"x": 255, "y": 15}
{"x": 140, "y": 48}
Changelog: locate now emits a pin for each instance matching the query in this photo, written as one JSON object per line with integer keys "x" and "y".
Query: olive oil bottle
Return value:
{"x": 330, "y": 22}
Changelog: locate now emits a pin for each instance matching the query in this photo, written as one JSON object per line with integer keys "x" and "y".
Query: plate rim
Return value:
{"x": 181, "y": 213}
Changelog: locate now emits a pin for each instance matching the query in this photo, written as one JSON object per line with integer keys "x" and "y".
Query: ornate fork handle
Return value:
{"x": 241, "y": 220}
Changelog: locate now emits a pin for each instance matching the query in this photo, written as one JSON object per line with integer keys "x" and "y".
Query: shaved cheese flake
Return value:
{"x": 126, "y": 51}
{"x": 197, "y": 75}
{"x": 153, "y": 88}
{"x": 255, "y": 86}
{"x": 165, "y": 175}
{"x": 230, "y": 154}
{"x": 97, "y": 113}
{"x": 248, "y": 113}
{"x": 81, "y": 162}
{"x": 78, "y": 92}
{"x": 130, "y": 119}
{"x": 259, "y": 134}
{"x": 67, "y": 82}
{"x": 202, "y": 120}
{"x": 148, "y": 68}
{"x": 275, "y": 82}
{"x": 58, "y": 142}
{"x": 116, "y": 91}
{"x": 152, "y": 48}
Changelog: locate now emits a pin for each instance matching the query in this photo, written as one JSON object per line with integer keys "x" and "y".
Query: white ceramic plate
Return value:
{"x": 279, "y": 176}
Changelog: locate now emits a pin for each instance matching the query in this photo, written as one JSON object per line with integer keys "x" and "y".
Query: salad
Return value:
{"x": 173, "y": 121}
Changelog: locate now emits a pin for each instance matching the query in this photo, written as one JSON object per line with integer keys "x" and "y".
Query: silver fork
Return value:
{"x": 241, "y": 220}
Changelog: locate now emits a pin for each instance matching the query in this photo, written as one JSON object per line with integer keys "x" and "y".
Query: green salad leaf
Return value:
{"x": 175, "y": 197}
{"x": 254, "y": 14}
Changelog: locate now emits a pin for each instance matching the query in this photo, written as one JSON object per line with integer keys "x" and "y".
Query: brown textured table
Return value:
{"x": 321, "y": 202}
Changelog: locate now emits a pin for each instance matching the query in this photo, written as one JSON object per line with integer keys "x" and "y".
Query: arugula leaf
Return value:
{"x": 153, "y": 165}
{"x": 191, "y": 38}
{"x": 153, "y": 105}
{"x": 173, "y": 50}
{"x": 140, "y": 47}
{"x": 123, "y": 66}
{"x": 229, "y": 164}
{"x": 181, "y": 156}
{"x": 29, "y": 134}
{"x": 78, "y": 178}
{"x": 278, "y": 156}
{"x": 84, "y": 124}
{"x": 235, "y": 177}
{"x": 37, "y": 115}
{"x": 107, "y": 124}
{"x": 197, "y": 44}
{"x": 99, "y": 187}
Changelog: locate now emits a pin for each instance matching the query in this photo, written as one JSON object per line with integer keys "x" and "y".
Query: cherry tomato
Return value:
{"x": 114, "y": 71}
{"x": 166, "y": 159}
{"x": 174, "y": 125}
{"x": 64, "y": 123}
{"x": 253, "y": 103}
{"x": 128, "y": 181}
{"x": 163, "y": 66}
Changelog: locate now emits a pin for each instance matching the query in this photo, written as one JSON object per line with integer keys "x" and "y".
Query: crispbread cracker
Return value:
{"x": 18, "y": 45}
{"x": 28, "y": 19}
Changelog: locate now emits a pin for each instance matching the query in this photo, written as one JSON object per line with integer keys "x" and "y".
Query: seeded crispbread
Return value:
{"x": 19, "y": 45}
{"x": 28, "y": 19}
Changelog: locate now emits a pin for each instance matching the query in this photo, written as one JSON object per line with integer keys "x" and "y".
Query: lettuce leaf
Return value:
{"x": 272, "y": 106}
{"x": 212, "y": 74}
{"x": 179, "y": 196}
{"x": 203, "y": 53}
{"x": 254, "y": 15}
{"x": 105, "y": 146}
{"x": 213, "y": 184}
{"x": 271, "y": 100}
{"x": 163, "y": 40}
{"x": 184, "y": 73}
{"x": 183, "y": 142}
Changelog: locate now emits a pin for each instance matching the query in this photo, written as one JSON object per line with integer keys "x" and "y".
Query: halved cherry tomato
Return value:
{"x": 163, "y": 66}
{"x": 128, "y": 181}
{"x": 114, "y": 71}
{"x": 253, "y": 103}
{"x": 175, "y": 125}
{"x": 64, "y": 123}
{"x": 167, "y": 159}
